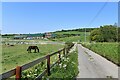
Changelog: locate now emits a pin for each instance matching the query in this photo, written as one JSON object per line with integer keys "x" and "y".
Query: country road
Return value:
{"x": 92, "y": 65}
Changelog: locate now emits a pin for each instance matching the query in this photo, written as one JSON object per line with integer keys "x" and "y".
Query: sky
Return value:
{"x": 60, "y": 0}
{"x": 40, "y": 17}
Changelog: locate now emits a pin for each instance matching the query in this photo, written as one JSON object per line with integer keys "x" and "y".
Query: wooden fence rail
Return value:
{"x": 18, "y": 70}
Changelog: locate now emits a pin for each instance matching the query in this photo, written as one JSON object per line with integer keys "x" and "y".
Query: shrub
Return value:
{"x": 68, "y": 44}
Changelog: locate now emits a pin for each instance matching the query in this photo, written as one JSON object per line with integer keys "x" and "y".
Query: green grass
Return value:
{"x": 36, "y": 70}
{"x": 107, "y": 50}
{"x": 69, "y": 32}
{"x": 67, "y": 69}
{"x": 18, "y": 55}
{"x": 73, "y": 38}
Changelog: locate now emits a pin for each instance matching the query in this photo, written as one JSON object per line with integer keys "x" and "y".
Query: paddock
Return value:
{"x": 18, "y": 55}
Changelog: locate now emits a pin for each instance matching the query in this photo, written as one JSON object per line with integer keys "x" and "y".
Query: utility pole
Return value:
{"x": 90, "y": 35}
{"x": 116, "y": 25}
{"x": 85, "y": 34}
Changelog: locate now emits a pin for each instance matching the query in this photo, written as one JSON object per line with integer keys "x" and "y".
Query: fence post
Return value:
{"x": 59, "y": 57}
{"x": 64, "y": 52}
{"x": 67, "y": 50}
{"x": 48, "y": 65}
{"x": 18, "y": 73}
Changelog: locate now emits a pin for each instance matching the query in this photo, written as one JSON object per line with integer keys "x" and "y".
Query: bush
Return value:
{"x": 68, "y": 44}
{"x": 107, "y": 33}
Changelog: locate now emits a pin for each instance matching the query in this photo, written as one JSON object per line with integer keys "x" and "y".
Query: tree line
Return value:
{"x": 106, "y": 33}
{"x": 79, "y": 30}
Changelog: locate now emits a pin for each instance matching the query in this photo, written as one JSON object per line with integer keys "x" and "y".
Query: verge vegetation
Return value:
{"x": 67, "y": 69}
{"x": 107, "y": 50}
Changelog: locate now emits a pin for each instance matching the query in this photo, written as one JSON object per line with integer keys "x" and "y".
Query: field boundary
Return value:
{"x": 18, "y": 70}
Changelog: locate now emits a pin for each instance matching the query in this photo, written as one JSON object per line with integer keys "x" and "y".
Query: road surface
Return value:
{"x": 92, "y": 65}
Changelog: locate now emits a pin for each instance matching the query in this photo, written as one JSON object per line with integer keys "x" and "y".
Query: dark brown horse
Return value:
{"x": 32, "y": 47}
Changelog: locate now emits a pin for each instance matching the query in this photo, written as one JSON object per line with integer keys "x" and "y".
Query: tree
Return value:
{"x": 107, "y": 33}
{"x": 94, "y": 35}
{"x": 118, "y": 34}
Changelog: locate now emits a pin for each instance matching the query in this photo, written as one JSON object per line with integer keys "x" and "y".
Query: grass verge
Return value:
{"x": 67, "y": 69}
{"x": 107, "y": 50}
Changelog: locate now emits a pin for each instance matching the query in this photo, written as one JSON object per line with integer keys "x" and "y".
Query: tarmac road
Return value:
{"x": 92, "y": 65}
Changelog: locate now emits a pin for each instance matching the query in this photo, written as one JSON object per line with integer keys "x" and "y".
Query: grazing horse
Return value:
{"x": 32, "y": 47}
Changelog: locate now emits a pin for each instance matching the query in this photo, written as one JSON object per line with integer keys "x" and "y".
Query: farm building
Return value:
{"x": 34, "y": 36}
{"x": 49, "y": 35}
{"x": 19, "y": 36}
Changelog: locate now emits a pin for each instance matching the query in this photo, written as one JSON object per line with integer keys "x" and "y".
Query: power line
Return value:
{"x": 98, "y": 13}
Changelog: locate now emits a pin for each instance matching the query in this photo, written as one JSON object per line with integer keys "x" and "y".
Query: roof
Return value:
{"x": 34, "y": 35}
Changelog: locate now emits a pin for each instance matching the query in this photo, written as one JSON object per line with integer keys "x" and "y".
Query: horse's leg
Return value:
{"x": 35, "y": 50}
{"x": 38, "y": 50}
{"x": 30, "y": 50}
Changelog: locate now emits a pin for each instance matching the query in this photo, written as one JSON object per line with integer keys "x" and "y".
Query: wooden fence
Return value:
{"x": 18, "y": 70}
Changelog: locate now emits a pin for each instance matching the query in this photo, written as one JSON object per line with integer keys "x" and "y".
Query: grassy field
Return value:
{"x": 68, "y": 68}
{"x": 18, "y": 55}
{"x": 107, "y": 50}
{"x": 73, "y": 38}
{"x": 69, "y": 32}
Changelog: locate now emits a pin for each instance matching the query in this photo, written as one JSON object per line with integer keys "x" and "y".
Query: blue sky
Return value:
{"x": 38, "y": 17}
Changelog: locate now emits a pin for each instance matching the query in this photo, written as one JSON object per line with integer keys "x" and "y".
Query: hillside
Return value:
{"x": 73, "y": 36}
{"x": 63, "y": 35}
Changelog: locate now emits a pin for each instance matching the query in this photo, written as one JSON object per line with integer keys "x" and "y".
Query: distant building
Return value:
{"x": 29, "y": 37}
{"x": 34, "y": 36}
{"x": 18, "y": 36}
{"x": 48, "y": 35}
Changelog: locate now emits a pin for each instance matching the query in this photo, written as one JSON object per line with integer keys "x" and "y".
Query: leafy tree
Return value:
{"x": 94, "y": 34}
{"x": 107, "y": 33}
{"x": 118, "y": 34}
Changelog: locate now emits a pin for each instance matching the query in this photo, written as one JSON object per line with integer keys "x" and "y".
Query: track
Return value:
{"x": 92, "y": 65}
